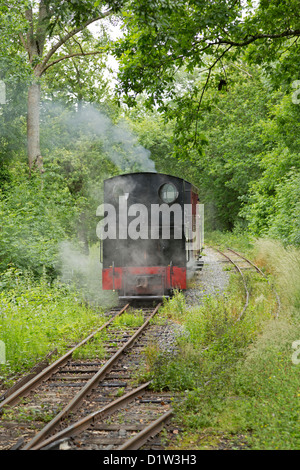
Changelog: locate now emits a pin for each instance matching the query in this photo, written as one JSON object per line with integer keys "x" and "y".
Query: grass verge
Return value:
{"x": 36, "y": 318}
{"x": 239, "y": 380}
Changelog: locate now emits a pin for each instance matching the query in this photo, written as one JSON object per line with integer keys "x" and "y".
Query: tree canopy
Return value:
{"x": 207, "y": 90}
{"x": 163, "y": 36}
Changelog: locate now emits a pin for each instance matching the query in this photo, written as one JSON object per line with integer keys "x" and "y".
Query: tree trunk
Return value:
{"x": 34, "y": 40}
{"x": 33, "y": 128}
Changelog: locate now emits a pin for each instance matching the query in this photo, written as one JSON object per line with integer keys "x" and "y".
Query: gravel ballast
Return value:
{"x": 211, "y": 280}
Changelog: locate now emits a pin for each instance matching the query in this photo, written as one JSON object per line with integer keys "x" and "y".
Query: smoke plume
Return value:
{"x": 84, "y": 273}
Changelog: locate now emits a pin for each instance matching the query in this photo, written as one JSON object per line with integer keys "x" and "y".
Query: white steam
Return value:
{"x": 84, "y": 272}
{"x": 119, "y": 144}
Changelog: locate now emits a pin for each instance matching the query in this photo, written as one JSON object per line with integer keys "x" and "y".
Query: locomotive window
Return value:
{"x": 168, "y": 192}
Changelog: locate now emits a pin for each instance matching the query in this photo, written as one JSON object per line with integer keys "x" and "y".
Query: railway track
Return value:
{"x": 89, "y": 404}
{"x": 241, "y": 264}
{"x": 94, "y": 404}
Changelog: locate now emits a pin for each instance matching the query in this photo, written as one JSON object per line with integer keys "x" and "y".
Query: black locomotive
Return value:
{"x": 152, "y": 234}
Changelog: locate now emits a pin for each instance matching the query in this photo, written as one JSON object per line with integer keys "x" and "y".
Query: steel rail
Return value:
{"x": 248, "y": 261}
{"x": 52, "y": 368}
{"x": 246, "y": 303}
{"x": 88, "y": 387}
{"x": 151, "y": 430}
{"x": 260, "y": 271}
{"x": 92, "y": 418}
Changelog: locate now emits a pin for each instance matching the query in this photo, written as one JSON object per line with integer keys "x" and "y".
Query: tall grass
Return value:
{"x": 36, "y": 317}
{"x": 237, "y": 378}
{"x": 284, "y": 264}
{"x": 240, "y": 241}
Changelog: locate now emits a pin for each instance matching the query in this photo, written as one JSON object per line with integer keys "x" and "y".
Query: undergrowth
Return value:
{"x": 236, "y": 378}
{"x": 38, "y": 317}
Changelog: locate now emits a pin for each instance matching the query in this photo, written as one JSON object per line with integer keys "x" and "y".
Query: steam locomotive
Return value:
{"x": 151, "y": 234}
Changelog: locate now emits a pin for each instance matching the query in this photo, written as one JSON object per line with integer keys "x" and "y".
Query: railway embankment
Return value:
{"x": 224, "y": 354}
{"x": 238, "y": 364}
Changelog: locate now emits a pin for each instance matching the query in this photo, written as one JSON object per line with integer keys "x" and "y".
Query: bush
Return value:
{"x": 35, "y": 216}
{"x": 36, "y": 317}
{"x": 237, "y": 379}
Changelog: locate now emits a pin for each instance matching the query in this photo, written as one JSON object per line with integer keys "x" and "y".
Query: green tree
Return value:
{"x": 34, "y": 221}
{"x": 273, "y": 202}
{"x": 35, "y": 32}
{"x": 164, "y": 36}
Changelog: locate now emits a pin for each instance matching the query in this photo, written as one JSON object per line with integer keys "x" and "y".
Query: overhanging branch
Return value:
{"x": 64, "y": 39}
{"x": 68, "y": 56}
{"x": 205, "y": 86}
{"x": 246, "y": 42}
